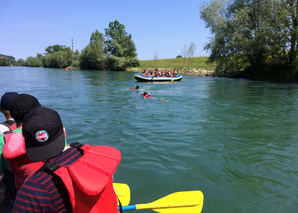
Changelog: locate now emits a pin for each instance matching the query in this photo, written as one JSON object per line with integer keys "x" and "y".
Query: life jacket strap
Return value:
{"x": 76, "y": 145}
{"x": 51, "y": 167}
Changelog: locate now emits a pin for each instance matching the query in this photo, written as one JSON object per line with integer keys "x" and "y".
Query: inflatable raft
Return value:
{"x": 139, "y": 77}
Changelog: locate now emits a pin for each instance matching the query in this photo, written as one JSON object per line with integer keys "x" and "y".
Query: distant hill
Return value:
{"x": 7, "y": 56}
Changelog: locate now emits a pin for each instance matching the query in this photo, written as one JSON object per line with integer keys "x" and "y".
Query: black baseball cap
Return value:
{"x": 21, "y": 105}
{"x": 43, "y": 133}
{"x": 6, "y": 99}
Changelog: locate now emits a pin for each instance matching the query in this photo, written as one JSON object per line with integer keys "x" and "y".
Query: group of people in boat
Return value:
{"x": 41, "y": 172}
{"x": 157, "y": 73}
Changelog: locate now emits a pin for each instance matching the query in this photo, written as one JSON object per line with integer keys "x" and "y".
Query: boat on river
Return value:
{"x": 69, "y": 68}
{"x": 140, "y": 77}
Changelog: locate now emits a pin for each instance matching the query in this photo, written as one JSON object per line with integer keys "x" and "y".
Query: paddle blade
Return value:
{"x": 123, "y": 192}
{"x": 180, "y": 202}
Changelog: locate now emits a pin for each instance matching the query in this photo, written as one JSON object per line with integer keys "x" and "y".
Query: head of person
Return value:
{"x": 6, "y": 100}
{"x": 44, "y": 134}
{"x": 21, "y": 105}
{"x": 137, "y": 87}
{"x": 144, "y": 93}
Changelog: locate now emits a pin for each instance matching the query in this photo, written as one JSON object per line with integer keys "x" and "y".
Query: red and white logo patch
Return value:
{"x": 42, "y": 136}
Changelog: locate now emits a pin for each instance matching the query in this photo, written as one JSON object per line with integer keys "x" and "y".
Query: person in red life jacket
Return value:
{"x": 14, "y": 146}
{"x": 6, "y": 100}
{"x": 75, "y": 178}
{"x": 5, "y": 174}
{"x": 146, "y": 95}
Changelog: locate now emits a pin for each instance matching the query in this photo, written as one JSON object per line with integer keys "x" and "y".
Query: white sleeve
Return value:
{"x": 3, "y": 129}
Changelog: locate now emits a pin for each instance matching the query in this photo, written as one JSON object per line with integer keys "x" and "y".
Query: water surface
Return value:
{"x": 233, "y": 139}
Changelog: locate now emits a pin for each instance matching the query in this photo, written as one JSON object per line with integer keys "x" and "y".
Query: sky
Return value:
{"x": 159, "y": 28}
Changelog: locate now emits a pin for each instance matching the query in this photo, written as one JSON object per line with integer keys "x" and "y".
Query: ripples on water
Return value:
{"x": 235, "y": 140}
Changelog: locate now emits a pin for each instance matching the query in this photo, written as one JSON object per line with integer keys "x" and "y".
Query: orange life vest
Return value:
{"x": 89, "y": 180}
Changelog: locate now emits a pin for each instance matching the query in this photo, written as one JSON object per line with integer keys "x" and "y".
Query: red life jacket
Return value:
{"x": 15, "y": 153}
{"x": 89, "y": 180}
{"x": 147, "y": 96}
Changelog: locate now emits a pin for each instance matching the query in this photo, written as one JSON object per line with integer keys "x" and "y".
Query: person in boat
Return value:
{"x": 152, "y": 74}
{"x": 174, "y": 74}
{"x": 62, "y": 185}
{"x": 137, "y": 88}
{"x": 9, "y": 123}
{"x": 145, "y": 73}
{"x": 13, "y": 149}
{"x": 157, "y": 73}
{"x": 20, "y": 167}
{"x": 5, "y": 174}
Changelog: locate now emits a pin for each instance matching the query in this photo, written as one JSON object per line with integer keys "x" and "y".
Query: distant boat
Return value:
{"x": 140, "y": 77}
{"x": 69, "y": 68}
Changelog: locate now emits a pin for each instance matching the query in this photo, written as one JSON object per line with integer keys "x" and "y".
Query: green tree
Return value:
{"x": 258, "y": 36}
{"x": 33, "y": 62}
{"x": 58, "y": 58}
{"x": 119, "y": 45}
{"x": 4, "y": 62}
{"x": 21, "y": 62}
{"x": 97, "y": 37}
{"x": 92, "y": 56}
{"x": 55, "y": 48}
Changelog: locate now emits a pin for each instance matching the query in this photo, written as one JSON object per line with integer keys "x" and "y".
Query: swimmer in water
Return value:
{"x": 146, "y": 96}
{"x": 137, "y": 88}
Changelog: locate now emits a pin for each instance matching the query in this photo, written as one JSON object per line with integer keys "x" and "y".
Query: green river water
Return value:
{"x": 233, "y": 139}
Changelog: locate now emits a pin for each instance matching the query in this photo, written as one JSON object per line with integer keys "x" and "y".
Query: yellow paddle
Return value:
{"x": 179, "y": 202}
{"x": 123, "y": 192}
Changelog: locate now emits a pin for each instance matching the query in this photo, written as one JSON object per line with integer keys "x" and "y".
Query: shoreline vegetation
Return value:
{"x": 256, "y": 40}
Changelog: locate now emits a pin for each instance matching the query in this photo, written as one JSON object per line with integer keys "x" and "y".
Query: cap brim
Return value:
{"x": 39, "y": 153}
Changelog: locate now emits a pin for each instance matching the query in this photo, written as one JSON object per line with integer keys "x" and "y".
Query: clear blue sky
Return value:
{"x": 161, "y": 27}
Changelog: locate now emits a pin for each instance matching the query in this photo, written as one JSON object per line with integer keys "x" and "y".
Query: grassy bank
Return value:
{"x": 196, "y": 65}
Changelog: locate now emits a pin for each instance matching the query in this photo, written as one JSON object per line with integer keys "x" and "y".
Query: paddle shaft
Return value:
{"x": 158, "y": 205}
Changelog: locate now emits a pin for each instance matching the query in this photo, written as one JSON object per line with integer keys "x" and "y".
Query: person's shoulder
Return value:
{"x": 68, "y": 156}
{"x": 35, "y": 181}
{"x": 3, "y": 128}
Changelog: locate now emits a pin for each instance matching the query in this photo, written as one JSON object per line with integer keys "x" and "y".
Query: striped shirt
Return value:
{"x": 45, "y": 192}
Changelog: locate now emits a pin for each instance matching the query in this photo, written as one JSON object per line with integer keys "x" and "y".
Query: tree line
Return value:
{"x": 113, "y": 51}
{"x": 257, "y": 37}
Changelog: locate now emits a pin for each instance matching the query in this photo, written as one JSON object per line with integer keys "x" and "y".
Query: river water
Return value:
{"x": 233, "y": 139}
